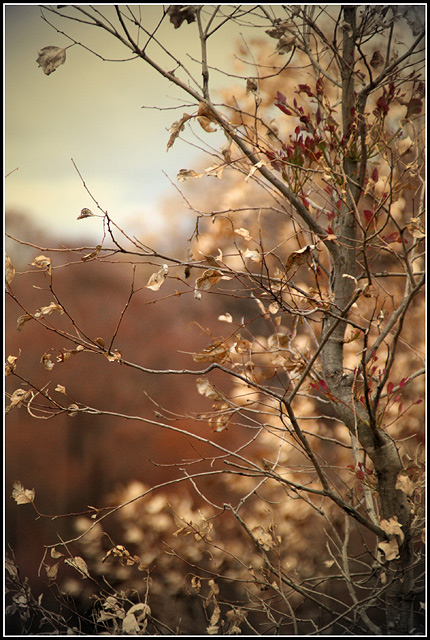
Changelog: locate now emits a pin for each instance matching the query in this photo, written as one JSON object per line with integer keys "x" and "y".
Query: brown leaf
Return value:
{"x": 297, "y": 258}
{"x": 208, "y": 279}
{"x": 9, "y": 271}
{"x": 176, "y": 129}
{"x": 216, "y": 352}
{"x": 377, "y": 59}
{"x": 178, "y": 13}
{"x": 50, "y": 58}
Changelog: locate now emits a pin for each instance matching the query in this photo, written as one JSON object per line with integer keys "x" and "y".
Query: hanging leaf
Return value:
{"x": 85, "y": 213}
{"x": 50, "y": 58}
{"x": 179, "y": 13}
{"x": 42, "y": 262}
{"x": 21, "y": 495}
{"x": 176, "y": 129}
{"x": 9, "y": 270}
{"x": 157, "y": 278}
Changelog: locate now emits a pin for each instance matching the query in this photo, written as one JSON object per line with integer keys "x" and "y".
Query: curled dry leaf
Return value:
{"x": 85, "y": 213}
{"x": 50, "y": 58}
{"x": 244, "y": 233}
{"x": 21, "y": 495}
{"x": 93, "y": 254}
{"x": 47, "y": 362}
{"x": 392, "y": 527}
{"x": 176, "y": 129}
{"x": 157, "y": 278}
{"x": 79, "y": 564}
{"x": 9, "y": 270}
{"x": 297, "y": 258}
{"x": 18, "y": 397}
{"x": 216, "y": 352}
{"x": 208, "y": 279}
{"x": 42, "y": 262}
{"x": 207, "y": 389}
{"x": 22, "y": 320}
{"x": 46, "y": 311}
{"x": 178, "y": 13}
{"x": 253, "y": 255}
{"x": 10, "y": 365}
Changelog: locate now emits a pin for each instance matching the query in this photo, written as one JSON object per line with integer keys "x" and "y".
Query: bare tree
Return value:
{"x": 320, "y": 270}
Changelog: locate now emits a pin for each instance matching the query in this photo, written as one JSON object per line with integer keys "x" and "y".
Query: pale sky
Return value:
{"x": 91, "y": 111}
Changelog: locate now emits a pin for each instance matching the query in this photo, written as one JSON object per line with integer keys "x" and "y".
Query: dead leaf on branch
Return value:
{"x": 18, "y": 397}
{"x": 206, "y": 118}
{"x": 9, "y": 270}
{"x": 298, "y": 258}
{"x": 207, "y": 389}
{"x": 47, "y": 362}
{"x": 21, "y": 495}
{"x": 179, "y": 13}
{"x": 207, "y": 280}
{"x": 85, "y": 213}
{"x": 176, "y": 129}
{"x": 157, "y": 278}
{"x": 216, "y": 352}
{"x": 79, "y": 564}
{"x": 50, "y": 58}
{"x": 10, "y": 365}
{"x": 42, "y": 262}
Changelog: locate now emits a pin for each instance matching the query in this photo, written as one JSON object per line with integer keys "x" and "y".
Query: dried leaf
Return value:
{"x": 178, "y": 13}
{"x": 207, "y": 389}
{"x": 377, "y": 59}
{"x": 206, "y": 118}
{"x": 253, "y": 255}
{"x": 297, "y": 258}
{"x": 206, "y": 124}
{"x": 50, "y": 58}
{"x": 46, "y": 311}
{"x": 176, "y": 129}
{"x": 9, "y": 270}
{"x": 10, "y": 365}
{"x": 405, "y": 145}
{"x": 217, "y": 352}
{"x": 18, "y": 397}
{"x": 47, "y": 362}
{"x": 79, "y": 564}
{"x": 244, "y": 233}
{"x": 92, "y": 255}
{"x": 60, "y": 388}
{"x": 85, "y": 213}
{"x": 21, "y": 495}
{"x": 392, "y": 527}
{"x": 186, "y": 174}
{"x": 22, "y": 320}
{"x": 42, "y": 262}
{"x": 157, "y": 278}
{"x": 208, "y": 279}
{"x": 390, "y": 549}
